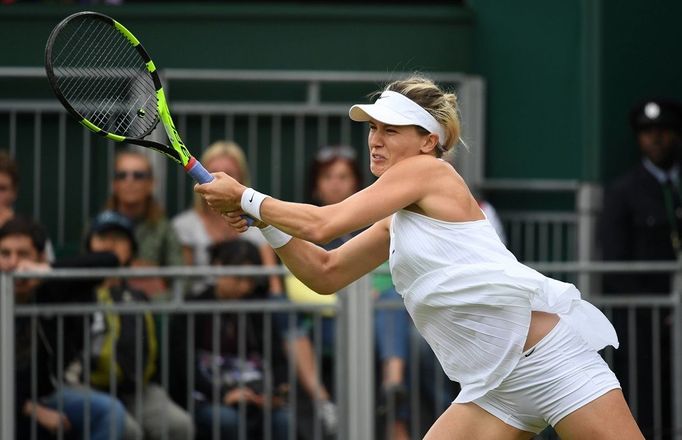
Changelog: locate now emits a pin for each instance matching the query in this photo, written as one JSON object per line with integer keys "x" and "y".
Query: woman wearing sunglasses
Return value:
{"x": 133, "y": 196}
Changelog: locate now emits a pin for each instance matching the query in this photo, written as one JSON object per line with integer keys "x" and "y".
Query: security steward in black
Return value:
{"x": 642, "y": 213}
{"x": 641, "y": 220}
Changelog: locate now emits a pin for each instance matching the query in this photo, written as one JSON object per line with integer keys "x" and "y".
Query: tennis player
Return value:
{"x": 522, "y": 346}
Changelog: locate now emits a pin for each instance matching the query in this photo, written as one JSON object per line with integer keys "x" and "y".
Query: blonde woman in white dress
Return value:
{"x": 522, "y": 346}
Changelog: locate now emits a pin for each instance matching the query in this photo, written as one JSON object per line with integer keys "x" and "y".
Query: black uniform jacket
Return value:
{"x": 635, "y": 225}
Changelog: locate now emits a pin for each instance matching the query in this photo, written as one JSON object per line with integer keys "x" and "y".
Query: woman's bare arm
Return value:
{"x": 328, "y": 271}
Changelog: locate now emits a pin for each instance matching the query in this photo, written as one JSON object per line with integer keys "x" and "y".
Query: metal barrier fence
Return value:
{"x": 353, "y": 367}
{"x": 652, "y": 382}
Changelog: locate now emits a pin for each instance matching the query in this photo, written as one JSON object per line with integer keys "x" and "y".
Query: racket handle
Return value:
{"x": 197, "y": 171}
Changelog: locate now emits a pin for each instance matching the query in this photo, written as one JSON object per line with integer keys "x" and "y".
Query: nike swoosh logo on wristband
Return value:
{"x": 251, "y": 199}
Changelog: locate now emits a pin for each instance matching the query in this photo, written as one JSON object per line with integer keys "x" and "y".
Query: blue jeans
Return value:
{"x": 229, "y": 422}
{"x": 107, "y": 414}
{"x": 392, "y": 340}
{"x": 392, "y": 328}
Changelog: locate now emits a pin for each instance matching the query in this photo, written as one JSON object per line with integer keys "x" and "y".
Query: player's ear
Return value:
{"x": 429, "y": 143}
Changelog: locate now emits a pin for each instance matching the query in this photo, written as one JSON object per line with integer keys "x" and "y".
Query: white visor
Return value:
{"x": 394, "y": 108}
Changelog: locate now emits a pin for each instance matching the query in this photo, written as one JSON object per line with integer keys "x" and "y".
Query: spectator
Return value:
{"x": 200, "y": 227}
{"x": 118, "y": 333}
{"x": 9, "y": 190}
{"x": 642, "y": 216}
{"x": 133, "y": 197}
{"x": 642, "y": 220}
{"x": 242, "y": 381}
{"x": 22, "y": 247}
{"x": 334, "y": 176}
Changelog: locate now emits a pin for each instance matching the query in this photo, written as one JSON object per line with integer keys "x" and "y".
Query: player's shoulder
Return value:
{"x": 427, "y": 163}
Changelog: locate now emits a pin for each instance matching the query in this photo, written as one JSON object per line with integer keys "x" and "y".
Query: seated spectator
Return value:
{"x": 113, "y": 332}
{"x": 200, "y": 227}
{"x": 334, "y": 176}
{"x": 22, "y": 247}
{"x": 9, "y": 190}
{"x": 241, "y": 380}
{"x": 133, "y": 197}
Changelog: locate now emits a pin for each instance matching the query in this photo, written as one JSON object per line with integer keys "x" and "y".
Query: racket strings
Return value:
{"x": 78, "y": 45}
{"x": 107, "y": 104}
{"x": 105, "y": 59}
{"x": 73, "y": 46}
{"x": 127, "y": 58}
{"x": 104, "y": 77}
{"x": 89, "y": 91}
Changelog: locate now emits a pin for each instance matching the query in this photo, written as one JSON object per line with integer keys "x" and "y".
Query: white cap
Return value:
{"x": 394, "y": 108}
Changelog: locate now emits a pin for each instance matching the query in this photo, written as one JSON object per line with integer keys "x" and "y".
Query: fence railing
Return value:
{"x": 643, "y": 380}
{"x": 353, "y": 366}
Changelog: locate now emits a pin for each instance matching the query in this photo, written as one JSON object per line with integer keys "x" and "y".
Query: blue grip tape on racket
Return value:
{"x": 197, "y": 171}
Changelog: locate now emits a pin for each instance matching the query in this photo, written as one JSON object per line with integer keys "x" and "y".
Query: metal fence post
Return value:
{"x": 471, "y": 97}
{"x": 7, "y": 350}
{"x": 677, "y": 352}
{"x": 588, "y": 203}
{"x": 359, "y": 360}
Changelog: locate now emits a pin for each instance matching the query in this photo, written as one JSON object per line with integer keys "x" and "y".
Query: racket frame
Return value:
{"x": 177, "y": 151}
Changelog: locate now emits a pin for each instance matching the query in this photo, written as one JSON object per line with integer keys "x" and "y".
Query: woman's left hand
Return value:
{"x": 223, "y": 194}
{"x": 237, "y": 221}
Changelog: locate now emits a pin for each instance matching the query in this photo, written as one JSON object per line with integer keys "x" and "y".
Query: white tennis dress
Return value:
{"x": 471, "y": 299}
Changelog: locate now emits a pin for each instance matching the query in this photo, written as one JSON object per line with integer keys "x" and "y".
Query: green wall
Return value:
{"x": 529, "y": 52}
{"x": 562, "y": 77}
{"x": 641, "y": 59}
{"x": 263, "y": 36}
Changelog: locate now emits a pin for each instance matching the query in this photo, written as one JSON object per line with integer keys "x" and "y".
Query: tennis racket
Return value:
{"x": 105, "y": 79}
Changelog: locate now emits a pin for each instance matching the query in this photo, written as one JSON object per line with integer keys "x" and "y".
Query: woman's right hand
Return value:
{"x": 222, "y": 194}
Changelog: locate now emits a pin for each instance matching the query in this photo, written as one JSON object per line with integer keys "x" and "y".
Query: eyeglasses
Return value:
{"x": 136, "y": 175}
{"x": 328, "y": 153}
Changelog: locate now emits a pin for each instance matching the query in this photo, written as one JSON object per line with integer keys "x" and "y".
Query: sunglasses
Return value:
{"x": 342, "y": 152}
{"x": 135, "y": 175}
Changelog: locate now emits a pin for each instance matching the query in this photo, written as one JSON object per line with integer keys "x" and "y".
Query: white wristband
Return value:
{"x": 275, "y": 237}
{"x": 251, "y": 201}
